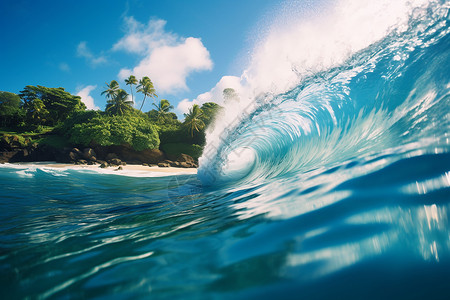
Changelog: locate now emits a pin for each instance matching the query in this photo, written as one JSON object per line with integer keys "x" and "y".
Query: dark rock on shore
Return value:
{"x": 130, "y": 156}
{"x": 82, "y": 162}
{"x": 183, "y": 161}
{"x": 89, "y": 154}
{"x": 127, "y": 155}
{"x": 186, "y": 165}
{"x": 110, "y": 156}
{"x": 12, "y": 149}
{"x": 31, "y": 153}
{"x": 6, "y": 156}
{"x": 115, "y": 162}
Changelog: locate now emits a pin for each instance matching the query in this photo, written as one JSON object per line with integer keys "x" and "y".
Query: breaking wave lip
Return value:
{"x": 363, "y": 104}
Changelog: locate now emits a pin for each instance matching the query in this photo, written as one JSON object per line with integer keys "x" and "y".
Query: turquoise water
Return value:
{"x": 336, "y": 189}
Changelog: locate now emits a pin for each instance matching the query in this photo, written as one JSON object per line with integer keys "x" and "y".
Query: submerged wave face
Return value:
{"x": 338, "y": 188}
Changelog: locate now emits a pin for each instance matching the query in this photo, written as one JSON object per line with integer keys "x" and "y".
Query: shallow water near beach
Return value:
{"x": 336, "y": 189}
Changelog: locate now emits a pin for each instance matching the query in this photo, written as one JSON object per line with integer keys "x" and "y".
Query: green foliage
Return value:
{"x": 210, "y": 111}
{"x": 172, "y": 118}
{"x": 111, "y": 89}
{"x": 146, "y": 87}
{"x": 192, "y": 131}
{"x": 56, "y": 101}
{"x": 9, "y": 101}
{"x": 11, "y": 115}
{"x": 119, "y": 104}
{"x": 153, "y": 115}
{"x": 193, "y": 120}
{"x": 26, "y": 131}
{"x": 129, "y": 129}
{"x": 162, "y": 114}
{"x": 177, "y": 133}
{"x": 37, "y": 112}
{"x": 173, "y": 134}
{"x": 39, "y": 109}
{"x": 169, "y": 119}
{"x": 177, "y": 148}
{"x": 131, "y": 81}
{"x": 39, "y": 129}
{"x": 78, "y": 117}
{"x": 22, "y": 140}
{"x": 16, "y": 138}
{"x": 55, "y": 141}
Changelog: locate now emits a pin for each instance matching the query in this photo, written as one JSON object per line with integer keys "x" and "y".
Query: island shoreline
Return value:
{"x": 116, "y": 170}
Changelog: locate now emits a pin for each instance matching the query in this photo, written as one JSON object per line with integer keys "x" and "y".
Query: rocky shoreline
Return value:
{"x": 12, "y": 150}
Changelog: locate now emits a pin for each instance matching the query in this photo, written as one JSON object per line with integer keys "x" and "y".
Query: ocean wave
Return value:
{"x": 380, "y": 98}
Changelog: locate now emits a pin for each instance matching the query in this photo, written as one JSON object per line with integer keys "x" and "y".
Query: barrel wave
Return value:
{"x": 390, "y": 97}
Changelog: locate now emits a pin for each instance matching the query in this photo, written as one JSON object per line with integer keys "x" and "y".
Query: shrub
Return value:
{"x": 105, "y": 130}
{"x": 77, "y": 117}
{"x": 54, "y": 141}
{"x": 177, "y": 148}
{"x": 180, "y": 134}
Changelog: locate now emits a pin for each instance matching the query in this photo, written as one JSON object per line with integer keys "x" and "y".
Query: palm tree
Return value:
{"x": 119, "y": 104}
{"x": 131, "y": 81}
{"x": 146, "y": 87}
{"x": 229, "y": 94}
{"x": 111, "y": 89}
{"x": 193, "y": 119}
{"x": 163, "y": 109}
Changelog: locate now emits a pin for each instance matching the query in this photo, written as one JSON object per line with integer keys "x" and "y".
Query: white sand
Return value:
{"x": 126, "y": 170}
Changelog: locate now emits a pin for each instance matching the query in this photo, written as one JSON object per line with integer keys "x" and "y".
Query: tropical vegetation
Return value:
{"x": 131, "y": 81}
{"x": 64, "y": 120}
{"x": 105, "y": 130}
{"x": 146, "y": 87}
{"x": 194, "y": 120}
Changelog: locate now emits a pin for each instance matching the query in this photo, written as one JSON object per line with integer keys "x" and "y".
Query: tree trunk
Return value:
{"x": 140, "y": 109}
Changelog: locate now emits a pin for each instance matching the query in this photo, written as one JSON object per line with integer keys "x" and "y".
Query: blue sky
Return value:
{"x": 185, "y": 47}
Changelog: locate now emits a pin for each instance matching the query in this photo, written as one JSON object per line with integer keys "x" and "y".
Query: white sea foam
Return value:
{"x": 296, "y": 48}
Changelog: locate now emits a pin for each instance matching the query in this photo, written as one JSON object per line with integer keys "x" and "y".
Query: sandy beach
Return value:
{"x": 128, "y": 169}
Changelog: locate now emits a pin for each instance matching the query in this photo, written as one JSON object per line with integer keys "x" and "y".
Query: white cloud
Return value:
{"x": 215, "y": 94}
{"x": 84, "y": 51}
{"x": 142, "y": 38}
{"x": 184, "y": 105}
{"x": 86, "y": 98}
{"x": 166, "y": 58}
